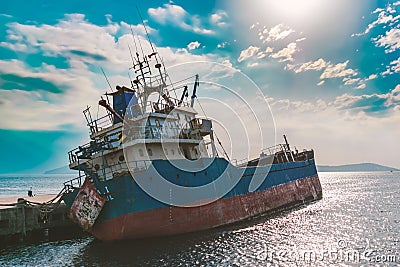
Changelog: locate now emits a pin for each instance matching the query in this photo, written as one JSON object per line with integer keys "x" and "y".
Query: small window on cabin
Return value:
{"x": 173, "y": 152}
{"x": 140, "y": 152}
{"x": 158, "y": 123}
{"x": 166, "y": 151}
{"x": 150, "y": 152}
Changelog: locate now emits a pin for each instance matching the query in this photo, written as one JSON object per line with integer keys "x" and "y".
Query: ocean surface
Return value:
{"x": 356, "y": 223}
{"x": 19, "y": 184}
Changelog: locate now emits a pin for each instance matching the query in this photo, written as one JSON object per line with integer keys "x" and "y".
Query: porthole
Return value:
{"x": 140, "y": 152}
{"x": 121, "y": 158}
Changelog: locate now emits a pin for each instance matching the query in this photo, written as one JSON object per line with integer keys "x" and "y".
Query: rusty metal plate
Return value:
{"x": 87, "y": 205}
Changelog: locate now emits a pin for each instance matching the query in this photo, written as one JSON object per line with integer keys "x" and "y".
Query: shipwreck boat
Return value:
{"x": 151, "y": 167}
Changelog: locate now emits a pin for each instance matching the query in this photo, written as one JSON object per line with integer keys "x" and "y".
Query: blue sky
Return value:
{"x": 328, "y": 69}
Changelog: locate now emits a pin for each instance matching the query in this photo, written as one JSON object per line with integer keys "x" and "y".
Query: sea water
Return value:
{"x": 356, "y": 223}
{"x": 19, "y": 184}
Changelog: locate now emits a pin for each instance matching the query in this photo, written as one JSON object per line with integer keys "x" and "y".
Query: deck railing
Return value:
{"x": 116, "y": 139}
{"x": 110, "y": 172}
{"x": 115, "y": 170}
{"x": 106, "y": 121}
{"x": 269, "y": 151}
{"x": 75, "y": 183}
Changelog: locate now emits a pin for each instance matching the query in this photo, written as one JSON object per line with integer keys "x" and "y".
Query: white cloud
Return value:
{"x": 261, "y": 55}
{"x": 319, "y": 64}
{"x": 393, "y": 68}
{"x": 222, "y": 45}
{"x": 393, "y": 97}
{"x": 71, "y": 35}
{"x": 277, "y": 32}
{"x": 193, "y": 45}
{"x": 247, "y": 53}
{"x": 385, "y": 17}
{"x": 337, "y": 71}
{"x": 346, "y": 130}
{"x": 361, "y": 86}
{"x": 253, "y": 64}
{"x": 298, "y": 106}
{"x": 330, "y": 71}
{"x": 41, "y": 110}
{"x": 286, "y": 54}
{"x": 169, "y": 13}
{"x": 179, "y": 17}
{"x": 349, "y": 81}
{"x": 367, "y": 101}
{"x": 85, "y": 47}
{"x": 219, "y": 18}
{"x": 391, "y": 40}
{"x": 17, "y": 47}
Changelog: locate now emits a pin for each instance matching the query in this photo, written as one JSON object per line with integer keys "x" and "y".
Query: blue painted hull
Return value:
{"x": 127, "y": 198}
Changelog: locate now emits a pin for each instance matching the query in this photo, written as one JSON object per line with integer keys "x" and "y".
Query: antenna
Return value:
{"x": 133, "y": 35}
{"x": 147, "y": 34}
{"x": 130, "y": 52}
{"x": 105, "y": 76}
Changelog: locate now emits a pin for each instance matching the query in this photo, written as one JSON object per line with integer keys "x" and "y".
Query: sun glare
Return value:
{"x": 294, "y": 10}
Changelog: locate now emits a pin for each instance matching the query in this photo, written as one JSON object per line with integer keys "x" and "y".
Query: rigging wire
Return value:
{"x": 105, "y": 76}
{"x": 133, "y": 35}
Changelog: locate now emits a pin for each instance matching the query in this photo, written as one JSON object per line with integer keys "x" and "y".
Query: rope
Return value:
{"x": 45, "y": 207}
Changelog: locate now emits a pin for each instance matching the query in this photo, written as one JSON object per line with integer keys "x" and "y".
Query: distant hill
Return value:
{"x": 61, "y": 170}
{"x": 360, "y": 167}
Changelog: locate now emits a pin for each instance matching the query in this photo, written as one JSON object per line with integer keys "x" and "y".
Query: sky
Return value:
{"x": 329, "y": 70}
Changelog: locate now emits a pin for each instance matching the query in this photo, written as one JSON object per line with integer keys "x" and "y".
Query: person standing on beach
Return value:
{"x": 30, "y": 192}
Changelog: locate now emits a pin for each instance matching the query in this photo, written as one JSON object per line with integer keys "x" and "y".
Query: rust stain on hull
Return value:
{"x": 87, "y": 205}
